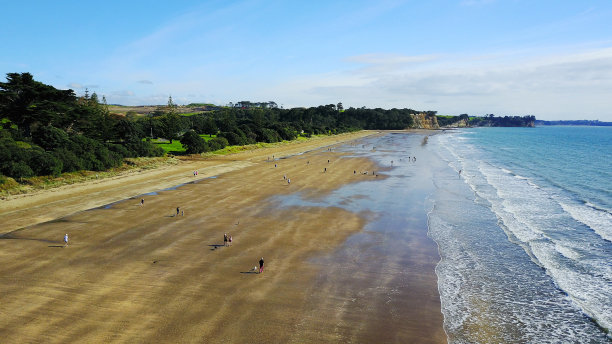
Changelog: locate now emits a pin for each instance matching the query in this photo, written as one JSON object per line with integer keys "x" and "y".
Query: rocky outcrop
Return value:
{"x": 462, "y": 123}
{"x": 425, "y": 121}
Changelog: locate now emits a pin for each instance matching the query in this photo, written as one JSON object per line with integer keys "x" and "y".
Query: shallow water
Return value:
{"x": 524, "y": 256}
{"x": 380, "y": 285}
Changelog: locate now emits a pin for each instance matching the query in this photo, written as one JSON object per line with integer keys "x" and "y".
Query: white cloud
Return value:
{"x": 571, "y": 85}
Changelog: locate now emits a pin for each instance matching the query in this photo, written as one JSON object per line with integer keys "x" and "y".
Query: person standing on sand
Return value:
{"x": 141, "y": 202}
{"x": 177, "y": 211}
{"x": 288, "y": 181}
{"x": 66, "y": 240}
{"x": 261, "y": 265}
{"x": 230, "y": 240}
{"x": 225, "y": 239}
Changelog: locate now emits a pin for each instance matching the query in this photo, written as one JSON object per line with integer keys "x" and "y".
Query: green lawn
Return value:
{"x": 176, "y": 147}
{"x": 173, "y": 148}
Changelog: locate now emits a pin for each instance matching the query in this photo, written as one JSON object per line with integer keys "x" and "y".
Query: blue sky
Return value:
{"x": 551, "y": 59}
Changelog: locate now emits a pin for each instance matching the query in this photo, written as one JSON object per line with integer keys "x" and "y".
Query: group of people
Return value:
{"x": 227, "y": 240}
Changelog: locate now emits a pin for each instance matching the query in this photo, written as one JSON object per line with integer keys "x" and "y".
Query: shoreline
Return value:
{"x": 136, "y": 273}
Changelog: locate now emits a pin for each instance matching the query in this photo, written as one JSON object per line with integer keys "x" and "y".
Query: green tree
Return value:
{"x": 171, "y": 126}
{"x": 127, "y": 130}
{"x": 171, "y": 107}
{"x": 50, "y": 137}
{"x": 29, "y": 103}
{"x": 193, "y": 143}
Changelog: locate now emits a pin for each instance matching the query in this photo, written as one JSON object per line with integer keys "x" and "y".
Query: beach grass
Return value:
{"x": 9, "y": 186}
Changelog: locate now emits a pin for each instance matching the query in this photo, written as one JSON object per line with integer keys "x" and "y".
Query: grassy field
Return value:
{"x": 176, "y": 147}
{"x": 144, "y": 110}
{"x": 173, "y": 148}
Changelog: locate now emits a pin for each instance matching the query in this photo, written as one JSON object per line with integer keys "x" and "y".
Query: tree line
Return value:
{"x": 489, "y": 120}
{"x": 47, "y": 131}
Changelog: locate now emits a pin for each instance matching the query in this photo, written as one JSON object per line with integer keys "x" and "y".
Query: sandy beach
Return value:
{"x": 135, "y": 273}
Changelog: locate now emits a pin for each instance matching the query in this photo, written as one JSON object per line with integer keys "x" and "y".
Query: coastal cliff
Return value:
{"x": 425, "y": 121}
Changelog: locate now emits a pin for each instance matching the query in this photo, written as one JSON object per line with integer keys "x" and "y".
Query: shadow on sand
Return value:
{"x": 215, "y": 246}
{"x": 8, "y": 236}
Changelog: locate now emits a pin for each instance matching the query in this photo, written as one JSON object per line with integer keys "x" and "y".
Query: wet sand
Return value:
{"x": 141, "y": 274}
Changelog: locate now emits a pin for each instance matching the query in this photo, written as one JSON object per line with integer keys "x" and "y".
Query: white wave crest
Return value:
{"x": 598, "y": 220}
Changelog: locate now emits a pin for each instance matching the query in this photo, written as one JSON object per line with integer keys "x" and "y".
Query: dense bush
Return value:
{"x": 193, "y": 143}
{"x": 218, "y": 143}
{"x": 234, "y": 137}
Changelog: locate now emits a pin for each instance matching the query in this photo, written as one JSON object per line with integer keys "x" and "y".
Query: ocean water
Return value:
{"x": 523, "y": 221}
{"x": 523, "y": 232}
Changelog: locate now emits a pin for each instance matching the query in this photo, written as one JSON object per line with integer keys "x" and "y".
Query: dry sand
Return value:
{"x": 141, "y": 274}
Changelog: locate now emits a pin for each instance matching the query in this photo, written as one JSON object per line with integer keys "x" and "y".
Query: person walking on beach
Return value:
{"x": 141, "y": 202}
{"x": 66, "y": 240}
{"x": 325, "y": 170}
{"x": 177, "y": 211}
{"x": 261, "y": 265}
{"x": 230, "y": 240}
{"x": 288, "y": 181}
{"x": 225, "y": 239}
